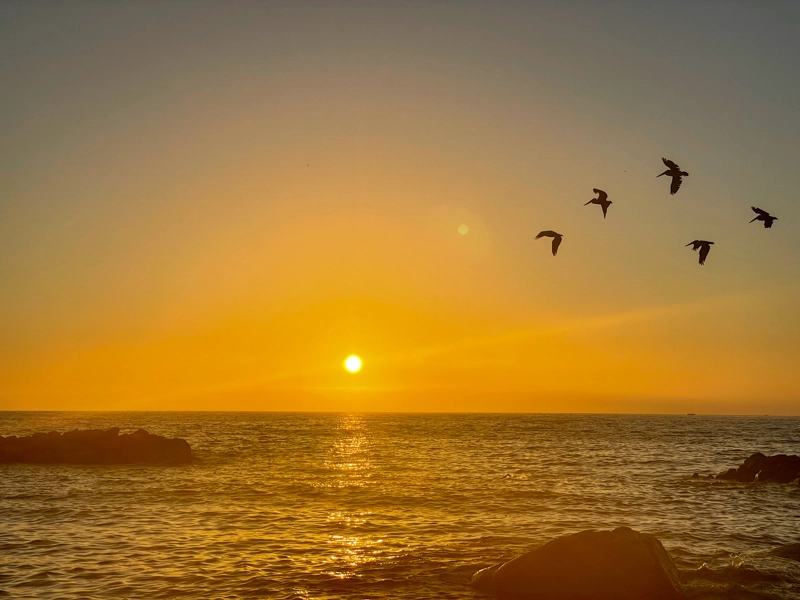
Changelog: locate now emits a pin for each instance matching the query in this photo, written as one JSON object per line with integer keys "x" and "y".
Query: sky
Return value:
{"x": 210, "y": 205}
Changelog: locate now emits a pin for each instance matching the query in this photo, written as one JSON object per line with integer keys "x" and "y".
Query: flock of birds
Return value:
{"x": 677, "y": 175}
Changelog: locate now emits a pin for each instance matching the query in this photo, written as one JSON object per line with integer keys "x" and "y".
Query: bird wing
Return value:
{"x": 556, "y": 244}
{"x": 546, "y": 233}
{"x": 602, "y": 195}
{"x": 677, "y": 180}
{"x": 605, "y": 209}
{"x": 704, "y": 252}
{"x": 758, "y": 211}
{"x": 670, "y": 164}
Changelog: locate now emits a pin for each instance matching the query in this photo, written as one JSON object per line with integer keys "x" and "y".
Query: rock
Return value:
{"x": 95, "y": 447}
{"x": 790, "y": 551}
{"x": 622, "y": 564}
{"x": 781, "y": 468}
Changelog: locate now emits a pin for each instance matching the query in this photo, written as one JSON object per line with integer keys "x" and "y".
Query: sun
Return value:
{"x": 352, "y": 363}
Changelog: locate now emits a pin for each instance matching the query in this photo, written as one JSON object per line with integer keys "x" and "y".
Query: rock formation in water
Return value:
{"x": 95, "y": 447}
{"x": 780, "y": 468}
{"x": 622, "y": 564}
{"x": 790, "y": 551}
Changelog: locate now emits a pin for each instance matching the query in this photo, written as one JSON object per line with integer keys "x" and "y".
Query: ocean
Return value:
{"x": 378, "y": 506}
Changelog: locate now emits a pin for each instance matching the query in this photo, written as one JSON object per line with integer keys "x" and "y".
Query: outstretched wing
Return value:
{"x": 758, "y": 211}
{"x": 546, "y": 233}
{"x": 556, "y": 244}
{"x": 677, "y": 180}
{"x": 605, "y": 209}
{"x": 670, "y": 164}
{"x": 704, "y": 252}
{"x": 602, "y": 195}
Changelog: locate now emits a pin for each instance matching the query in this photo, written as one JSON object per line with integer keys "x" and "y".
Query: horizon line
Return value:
{"x": 401, "y": 412}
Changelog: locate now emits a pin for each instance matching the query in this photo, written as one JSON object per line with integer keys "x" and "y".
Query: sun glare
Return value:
{"x": 352, "y": 363}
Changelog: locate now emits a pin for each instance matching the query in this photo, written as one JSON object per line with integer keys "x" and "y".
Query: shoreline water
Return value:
{"x": 388, "y": 505}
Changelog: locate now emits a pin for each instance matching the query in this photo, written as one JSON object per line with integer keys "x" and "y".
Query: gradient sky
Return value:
{"x": 209, "y": 205}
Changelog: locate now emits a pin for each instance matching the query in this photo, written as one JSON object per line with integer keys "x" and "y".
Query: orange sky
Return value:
{"x": 209, "y": 209}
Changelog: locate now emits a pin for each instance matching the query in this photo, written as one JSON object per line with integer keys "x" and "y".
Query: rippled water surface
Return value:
{"x": 302, "y": 505}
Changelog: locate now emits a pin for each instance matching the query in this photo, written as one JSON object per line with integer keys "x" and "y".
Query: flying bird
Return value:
{"x": 704, "y": 247}
{"x": 602, "y": 200}
{"x": 763, "y": 215}
{"x": 556, "y": 239}
{"x": 677, "y": 175}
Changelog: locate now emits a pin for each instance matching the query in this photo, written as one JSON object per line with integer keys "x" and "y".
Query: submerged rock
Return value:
{"x": 95, "y": 447}
{"x": 622, "y": 564}
{"x": 781, "y": 468}
{"x": 790, "y": 551}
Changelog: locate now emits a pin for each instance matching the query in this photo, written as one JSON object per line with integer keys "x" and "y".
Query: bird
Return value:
{"x": 601, "y": 200}
{"x": 704, "y": 247}
{"x": 677, "y": 175}
{"x": 763, "y": 215}
{"x": 556, "y": 239}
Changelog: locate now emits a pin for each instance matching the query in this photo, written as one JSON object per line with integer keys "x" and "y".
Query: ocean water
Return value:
{"x": 304, "y": 505}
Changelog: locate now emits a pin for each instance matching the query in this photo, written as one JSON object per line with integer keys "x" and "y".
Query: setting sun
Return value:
{"x": 352, "y": 363}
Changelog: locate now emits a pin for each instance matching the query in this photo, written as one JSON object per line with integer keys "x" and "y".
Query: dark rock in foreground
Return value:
{"x": 781, "y": 468}
{"x": 622, "y": 564}
{"x": 95, "y": 447}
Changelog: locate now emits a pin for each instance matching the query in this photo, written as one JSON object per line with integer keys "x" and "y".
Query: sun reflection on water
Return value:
{"x": 349, "y": 457}
{"x": 349, "y": 460}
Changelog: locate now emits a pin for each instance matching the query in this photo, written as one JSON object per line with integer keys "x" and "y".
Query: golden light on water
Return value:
{"x": 352, "y": 363}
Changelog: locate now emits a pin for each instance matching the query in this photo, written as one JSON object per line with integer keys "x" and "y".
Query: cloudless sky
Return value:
{"x": 209, "y": 205}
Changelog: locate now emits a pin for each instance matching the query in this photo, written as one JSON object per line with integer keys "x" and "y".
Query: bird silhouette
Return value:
{"x": 677, "y": 175}
{"x": 601, "y": 200}
{"x": 763, "y": 215}
{"x": 704, "y": 247}
{"x": 556, "y": 239}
